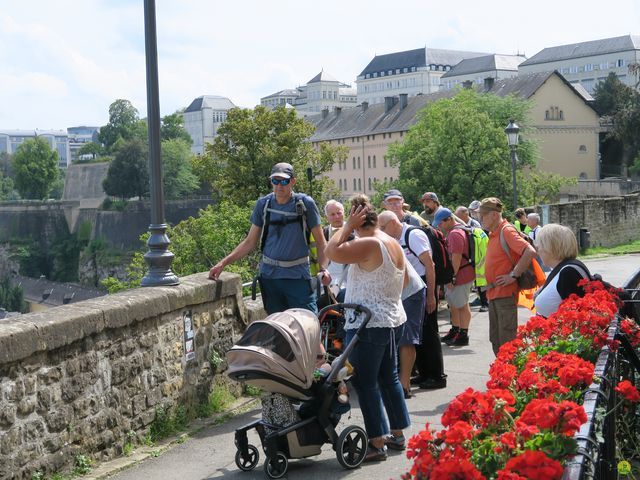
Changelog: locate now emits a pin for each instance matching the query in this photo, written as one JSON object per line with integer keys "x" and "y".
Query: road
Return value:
{"x": 210, "y": 453}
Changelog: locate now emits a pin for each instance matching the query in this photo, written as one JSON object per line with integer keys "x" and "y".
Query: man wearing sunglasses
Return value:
{"x": 280, "y": 223}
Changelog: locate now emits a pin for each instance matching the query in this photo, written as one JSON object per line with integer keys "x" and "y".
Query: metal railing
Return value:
{"x": 596, "y": 457}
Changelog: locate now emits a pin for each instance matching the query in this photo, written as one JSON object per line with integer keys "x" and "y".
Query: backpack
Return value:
{"x": 300, "y": 216}
{"x": 477, "y": 241}
{"x": 439, "y": 253}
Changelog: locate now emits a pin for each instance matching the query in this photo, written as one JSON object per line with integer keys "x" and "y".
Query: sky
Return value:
{"x": 63, "y": 63}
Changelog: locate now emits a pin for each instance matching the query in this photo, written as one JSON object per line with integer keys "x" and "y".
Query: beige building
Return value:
{"x": 566, "y": 128}
{"x": 203, "y": 117}
{"x": 590, "y": 62}
{"x": 414, "y": 72}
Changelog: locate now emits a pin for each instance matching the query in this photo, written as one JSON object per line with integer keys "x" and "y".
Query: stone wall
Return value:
{"x": 611, "y": 221}
{"x": 77, "y": 378}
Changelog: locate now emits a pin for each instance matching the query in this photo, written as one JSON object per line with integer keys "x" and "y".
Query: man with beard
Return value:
{"x": 431, "y": 205}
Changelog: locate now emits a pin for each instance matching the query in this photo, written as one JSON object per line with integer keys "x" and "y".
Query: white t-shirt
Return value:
{"x": 419, "y": 243}
{"x": 337, "y": 270}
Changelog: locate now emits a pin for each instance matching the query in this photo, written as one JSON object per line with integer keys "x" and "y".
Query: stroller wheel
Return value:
{"x": 351, "y": 447}
{"x": 249, "y": 461}
{"x": 276, "y": 467}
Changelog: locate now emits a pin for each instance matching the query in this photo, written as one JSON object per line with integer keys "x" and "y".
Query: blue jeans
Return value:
{"x": 280, "y": 294}
{"x": 374, "y": 360}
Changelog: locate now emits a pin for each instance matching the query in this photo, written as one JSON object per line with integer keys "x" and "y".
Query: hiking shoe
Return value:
{"x": 460, "y": 340}
{"x": 476, "y": 302}
{"x": 375, "y": 454}
{"x": 395, "y": 443}
{"x": 449, "y": 336}
{"x": 433, "y": 383}
{"x": 484, "y": 308}
{"x": 417, "y": 380}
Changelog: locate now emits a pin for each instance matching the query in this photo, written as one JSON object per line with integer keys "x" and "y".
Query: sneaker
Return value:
{"x": 484, "y": 308}
{"x": 417, "y": 380}
{"x": 407, "y": 394}
{"x": 395, "y": 443}
{"x": 460, "y": 340}
{"x": 375, "y": 454}
{"x": 449, "y": 336}
{"x": 476, "y": 302}
{"x": 433, "y": 383}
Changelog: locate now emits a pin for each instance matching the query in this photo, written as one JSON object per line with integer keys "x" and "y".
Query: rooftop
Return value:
{"x": 585, "y": 49}
{"x": 486, "y": 63}
{"x": 322, "y": 77}
{"x": 214, "y": 102}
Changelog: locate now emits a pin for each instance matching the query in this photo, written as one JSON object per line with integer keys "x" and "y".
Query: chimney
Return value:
{"x": 338, "y": 110}
{"x": 325, "y": 113}
{"x": 365, "y": 105}
{"x": 389, "y": 102}
{"x": 488, "y": 83}
{"x": 467, "y": 84}
{"x": 403, "y": 101}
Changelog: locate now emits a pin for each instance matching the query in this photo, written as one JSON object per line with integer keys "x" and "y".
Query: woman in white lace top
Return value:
{"x": 375, "y": 280}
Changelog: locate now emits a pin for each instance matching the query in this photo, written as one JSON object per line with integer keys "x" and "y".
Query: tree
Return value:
{"x": 458, "y": 148}
{"x": 35, "y": 166}
{"x": 178, "y": 177}
{"x": 128, "y": 174}
{"x": 124, "y": 124}
{"x": 621, "y": 104}
{"x": 91, "y": 148}
{"x": 542, "y": 187}
{"x": 172, "y": 128}
{"x": 250, "y": 142}
{"x": 6, "y": 187}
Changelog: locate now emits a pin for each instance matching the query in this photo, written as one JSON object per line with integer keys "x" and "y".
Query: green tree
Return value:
{"x": 178, "y": 177}
{"x": 57, "y": 188}
{"x": 6, "y": 187}
{"x": 128, "y": 174}
{"x": 621, "y": 104}
{"x": 458, "y": 148}
{"x": 35, "y": 166}
{"x": 11, "y": 297}
{"x": 172, "y": 128}
{"x": 124, "y": 124}
{"x": 250, "y": 142}
{"x": 542, "y": 187}
{"x": 91, "y": 148}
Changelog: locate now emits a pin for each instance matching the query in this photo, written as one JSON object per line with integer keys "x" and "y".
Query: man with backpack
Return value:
{"x": 393, "y": 201}
{"x": 459, "y": 244}
{"x": 503, "y": 271}
{"x": 281, "y": 223}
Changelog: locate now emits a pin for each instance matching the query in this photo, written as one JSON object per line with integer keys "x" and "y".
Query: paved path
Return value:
{"x": 210, "y": 453}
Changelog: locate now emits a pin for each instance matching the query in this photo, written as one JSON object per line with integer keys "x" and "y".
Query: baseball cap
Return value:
{"x": 441, "y": 215}
{"x": 284, "y": 170}
{"x": 475, "y": 205}
{"x": 393, "y": 193}
{"x": 490, "y": 204}
{"x": 430, "y": 196}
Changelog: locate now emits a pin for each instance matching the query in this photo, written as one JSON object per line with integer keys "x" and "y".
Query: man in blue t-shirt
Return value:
{"x": 285, "y": 280}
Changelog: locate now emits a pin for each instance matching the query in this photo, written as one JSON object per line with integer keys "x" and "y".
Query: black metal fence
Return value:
{"x": 596, "y": 458}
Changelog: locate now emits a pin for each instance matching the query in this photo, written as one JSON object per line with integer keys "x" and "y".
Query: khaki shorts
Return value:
{"x": 458, "y": 296}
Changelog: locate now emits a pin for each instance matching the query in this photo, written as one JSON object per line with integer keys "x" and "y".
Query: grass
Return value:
{"x": 168, "y": 422}
{"x": 217, "y": 402}
{"x": 632, "y": 247}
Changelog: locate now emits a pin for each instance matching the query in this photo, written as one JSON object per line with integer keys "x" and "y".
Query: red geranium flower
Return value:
{"x": 533, "y": 465}
{"x": 628, "y": 391}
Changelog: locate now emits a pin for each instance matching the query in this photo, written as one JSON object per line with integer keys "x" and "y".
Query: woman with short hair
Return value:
{"x": 558, "y": 248}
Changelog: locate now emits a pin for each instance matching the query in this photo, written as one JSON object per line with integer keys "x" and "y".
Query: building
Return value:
{"x": 41, "y": 294}
{"x": 203, "y": 117}
{"x": 412, "y": 72}
{"x": 565, "y": 126}
{"x": 479, "y": 70}
{"x": 590, "y": 62}
{"x": 280, "y": 99}
{"x": 78, "y": 136}
{"x": 58, "y": 140}
{"x": 321, "y": 92}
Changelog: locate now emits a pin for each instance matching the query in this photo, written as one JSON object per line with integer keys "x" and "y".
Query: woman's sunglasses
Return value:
{"x": 282, "y": 181}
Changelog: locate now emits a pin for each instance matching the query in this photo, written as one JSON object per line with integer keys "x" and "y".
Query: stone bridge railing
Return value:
{"x": 77, "y": 379}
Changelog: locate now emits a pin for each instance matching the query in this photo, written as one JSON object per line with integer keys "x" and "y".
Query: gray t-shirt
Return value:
{"x": 285, "y": 241}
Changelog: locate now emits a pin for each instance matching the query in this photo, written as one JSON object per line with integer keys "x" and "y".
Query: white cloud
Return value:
{"x": 64, "y": 62}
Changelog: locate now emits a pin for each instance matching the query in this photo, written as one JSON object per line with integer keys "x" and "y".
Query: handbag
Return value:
{"x": 533, "y": 276}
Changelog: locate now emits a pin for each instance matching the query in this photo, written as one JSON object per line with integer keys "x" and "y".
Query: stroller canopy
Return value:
{"x": 282, "y": 346}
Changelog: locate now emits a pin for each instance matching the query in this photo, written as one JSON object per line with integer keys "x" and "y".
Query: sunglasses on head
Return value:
{"x": 281, "y": 181}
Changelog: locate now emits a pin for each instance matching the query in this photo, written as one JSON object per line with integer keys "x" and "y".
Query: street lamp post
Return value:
{"x": 158, "y": 257}
{"x": 512, "y": 131}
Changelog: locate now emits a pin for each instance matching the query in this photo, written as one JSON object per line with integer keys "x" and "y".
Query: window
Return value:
{"x": 385, "y": 163}
{"x": 401, "y": 133}
{"x": 359, "y": 184}
{"x": 369, "y": 183}
{"x": 374, "y": 161}
{"x": 358, "y": 163}
{"x": 588, "y": 67}
{"x": 582, "y": 149}
{"x": 620, "y": 63}
{"x": 367, "y": 75}
{"x": 405, "y": 70}
{"x": 382, "y": 74}
{"x": 340, "y": 184}
{"x": 554, "y": 113}
{"x": 354, "y": 185}
{"x": 375, "y": 74}
{"x": 367, "y": 137}
{"x": 397, "y": 71}
{"x": 369, "y": 161}
{"x": 390, "y": 72}
{"x": 354, "y": 163}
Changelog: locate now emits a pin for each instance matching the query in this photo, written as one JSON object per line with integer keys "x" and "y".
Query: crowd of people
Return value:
{"x": 395, "y": 263}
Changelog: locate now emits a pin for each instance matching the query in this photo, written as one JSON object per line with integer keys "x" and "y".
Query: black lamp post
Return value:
{"x": 158, "y": 257}
{"x": 512, "y": 131}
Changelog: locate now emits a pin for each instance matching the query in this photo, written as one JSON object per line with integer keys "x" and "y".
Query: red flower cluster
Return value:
{"x": 533, "y": 383}
{"x": 628, "y": 391}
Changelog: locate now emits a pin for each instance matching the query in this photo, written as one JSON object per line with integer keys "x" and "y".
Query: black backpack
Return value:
{"x": 300, "y": 216}
{"x": 439, "y": 253}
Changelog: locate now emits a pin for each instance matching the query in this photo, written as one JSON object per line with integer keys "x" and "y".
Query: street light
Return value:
{"x": 512, "y": 131}
{"x": 159, "y": 257}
